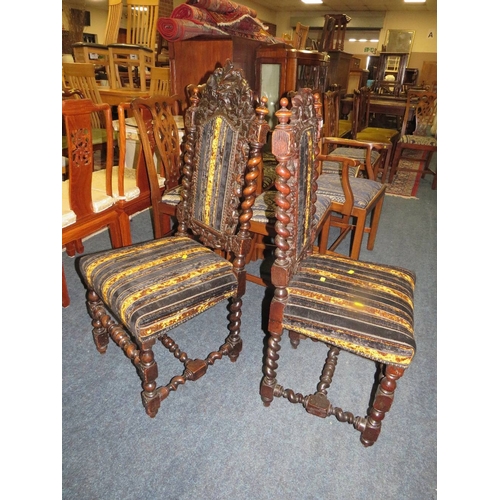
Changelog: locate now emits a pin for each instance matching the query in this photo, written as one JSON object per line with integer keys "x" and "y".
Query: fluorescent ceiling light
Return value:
{"x": 411, "y": 1}
{"x": 312, "y": 1}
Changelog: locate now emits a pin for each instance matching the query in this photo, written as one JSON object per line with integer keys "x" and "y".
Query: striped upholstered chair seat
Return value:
{"x": 360, "y": 307}
{"x": 152, "y": 285}
{"x": 364, "y": 190}
{"x": 364, "y": 308}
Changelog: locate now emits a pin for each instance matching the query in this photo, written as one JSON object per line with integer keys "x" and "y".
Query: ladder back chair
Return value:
{"x": 139, "y": 294}
{"x": 97, "y": 53}
{"x": 423, "y": 140}
{"x": 359, "y": 307}
{"x": 137, "y": 54}
{"x": 88, "y": 204}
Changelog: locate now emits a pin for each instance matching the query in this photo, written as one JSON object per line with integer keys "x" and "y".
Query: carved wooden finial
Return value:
{"x": 284, "y": 113}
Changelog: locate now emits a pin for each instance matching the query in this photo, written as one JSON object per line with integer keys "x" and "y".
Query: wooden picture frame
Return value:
{"x": 399, "y": 41}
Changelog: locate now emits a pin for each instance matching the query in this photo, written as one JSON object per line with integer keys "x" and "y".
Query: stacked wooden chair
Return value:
{"x": 341, "y": 303}
{"x": 139, "y": 294}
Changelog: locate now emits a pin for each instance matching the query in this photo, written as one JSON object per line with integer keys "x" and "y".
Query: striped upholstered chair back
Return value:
{"x": 220, "y": 126}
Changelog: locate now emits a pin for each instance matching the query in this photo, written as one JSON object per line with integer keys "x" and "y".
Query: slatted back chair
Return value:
{"x": 138, "y": 295}
{"x": 160, "y": 141}
{"x": 97, "y": 53}
{"x": 362, "y": 308}
{"x": 88, "y": 204}
{"x": 137, "y": 53}
{"x": 423, "y": 140}
{"x": 160, "y": 81}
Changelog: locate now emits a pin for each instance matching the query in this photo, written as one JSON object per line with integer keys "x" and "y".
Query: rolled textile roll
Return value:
{"x": 192, "y": 13}
{"x": 223, "y": 6}
{"x": 173, "y": 30}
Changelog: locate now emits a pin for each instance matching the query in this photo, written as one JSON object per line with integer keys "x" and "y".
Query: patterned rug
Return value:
{"x": 405, "y": 183}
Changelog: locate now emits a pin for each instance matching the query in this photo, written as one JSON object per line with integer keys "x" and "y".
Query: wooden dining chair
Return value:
{"x": 82, "y": 76}
{"x": 305, "y": 108}
{"x": 422, "y": 141}
{"x": 86, "y": 206}
{"x": 98, "y": 53}
{"x": 137, "y": 55}
{"x": 161, "y": 152}
{"x": 138, "y": 295}
{"x": 363, "y": 308}
{"x": 362, "y": 131}
{"x": 371, "y": 155}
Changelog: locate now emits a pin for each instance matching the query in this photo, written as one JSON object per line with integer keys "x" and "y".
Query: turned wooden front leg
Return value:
{"x": 381, "y": 404}
{"x": 100, "y": 321}
{"x": 148, "y": 371}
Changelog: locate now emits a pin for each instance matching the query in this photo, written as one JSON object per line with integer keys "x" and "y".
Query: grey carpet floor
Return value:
{"x": 214, "y": 439}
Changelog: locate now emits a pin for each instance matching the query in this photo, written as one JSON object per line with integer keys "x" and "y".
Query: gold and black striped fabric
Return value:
{"x": 361, "y": 307}
{"x": 155, "y": 286}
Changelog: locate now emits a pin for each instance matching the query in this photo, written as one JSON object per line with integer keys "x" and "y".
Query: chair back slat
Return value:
{"x": 142, "y": 17}
{"x": 113, "y": 21}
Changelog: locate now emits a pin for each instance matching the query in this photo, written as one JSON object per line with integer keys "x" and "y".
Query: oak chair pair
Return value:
{"x": 137, "y": 295}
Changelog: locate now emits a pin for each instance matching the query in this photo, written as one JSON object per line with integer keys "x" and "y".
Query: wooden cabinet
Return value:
{"x": 338, "y": 72}
{"x": 193, "y": 60}
{"x": 281, "y": 68}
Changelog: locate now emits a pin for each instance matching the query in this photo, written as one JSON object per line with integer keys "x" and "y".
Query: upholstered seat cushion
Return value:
{"x": 345, "y": 127}
{"x": 172, "y": 196}
{"x": 264, "y": 207}
{"x": 418, "y": 140}
{"x": 377, "y": 134}
{"x": 130, "y": 188}
{"x": 364, "y": 308}
{"x": 363, "y": 190}
{"x": 157, "y": 285}
{"x": 100, "y": 202}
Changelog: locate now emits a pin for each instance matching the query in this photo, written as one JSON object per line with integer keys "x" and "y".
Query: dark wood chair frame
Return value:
{"x": 295, "y": 234}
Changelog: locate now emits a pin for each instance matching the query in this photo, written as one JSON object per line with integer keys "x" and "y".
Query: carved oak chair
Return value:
{"x": 423, "y": 139}
{"x": 363, "y": 308}
{"x": 139, "y": 294}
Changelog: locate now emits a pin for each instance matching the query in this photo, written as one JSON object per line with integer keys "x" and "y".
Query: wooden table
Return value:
{"x": 384, "y": 106}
